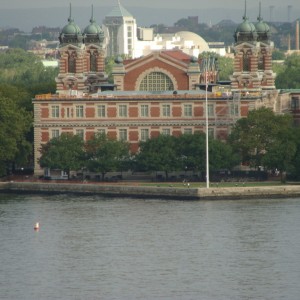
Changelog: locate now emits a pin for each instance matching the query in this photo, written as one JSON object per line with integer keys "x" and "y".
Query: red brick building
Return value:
{"x": 156, "y": 94}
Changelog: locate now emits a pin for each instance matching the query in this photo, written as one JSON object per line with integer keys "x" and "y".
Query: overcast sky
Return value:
{"x": 25, "y": 14}
{"x": 147, "y": 3}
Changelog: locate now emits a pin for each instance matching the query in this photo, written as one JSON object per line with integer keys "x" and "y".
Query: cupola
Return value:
{"x": 262, "y": 28}
{"x": 93, "y": 33}
{"x": 71, "y": 33}
{"x": 246, "y": 31}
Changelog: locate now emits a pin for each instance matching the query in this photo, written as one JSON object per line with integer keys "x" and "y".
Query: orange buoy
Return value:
{"x": 37, "y": 226}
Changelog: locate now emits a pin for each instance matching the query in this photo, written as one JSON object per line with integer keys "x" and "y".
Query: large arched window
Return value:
{"x": 156, "y": 81}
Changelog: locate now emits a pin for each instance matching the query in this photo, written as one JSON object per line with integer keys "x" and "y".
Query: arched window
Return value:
{"x": 71, "y": 63}
{"x": 93, "y": 62}
{"x": 261, "y": 65}
{"x": 156, "y": 81}
{"x": 246, "y": 63}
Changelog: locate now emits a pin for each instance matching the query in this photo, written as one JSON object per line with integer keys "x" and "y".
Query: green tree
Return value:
{"x": 289, "y": 77}
{"x": 15, "y": 123}
{"x": 295, "y": 168}
{"x": 158, "y": 154}
{"x": 191, "y": 151}
{"x": 278, "y": 55}
{"x": 222, "y": 156}
{"x": 105, "y": 154}
{"x": 24, "y": 69}
{"x": 264, "y": 139}
{"x": 225, "y": 67}
{"x": 65, "y": 153}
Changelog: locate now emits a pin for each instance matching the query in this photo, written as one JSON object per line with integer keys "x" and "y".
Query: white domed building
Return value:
{"x": 186, "y": 41}
{"x": 125, "y": 37}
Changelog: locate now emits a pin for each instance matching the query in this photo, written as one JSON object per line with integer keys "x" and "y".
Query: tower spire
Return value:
{"x": 70, "y": 16}
{"x": 259, "y": 18}
{"x": 245, "y": 14}
{"x": 92, "y": 17}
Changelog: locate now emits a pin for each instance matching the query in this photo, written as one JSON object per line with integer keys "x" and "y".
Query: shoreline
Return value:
{"x": 136, "y": 191}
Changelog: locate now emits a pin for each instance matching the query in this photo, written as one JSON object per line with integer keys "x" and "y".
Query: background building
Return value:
{"x": 124, "y": 37}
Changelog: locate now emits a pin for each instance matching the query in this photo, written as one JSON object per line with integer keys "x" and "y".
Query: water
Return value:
{"x": 96, "y": 248}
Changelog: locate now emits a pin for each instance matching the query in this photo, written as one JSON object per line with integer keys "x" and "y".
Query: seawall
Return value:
{"x": 217, "y": 193}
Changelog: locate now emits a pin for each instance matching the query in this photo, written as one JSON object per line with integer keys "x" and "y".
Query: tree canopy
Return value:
{"x": 65, "y": 152}
{"x": 15, "y": 123}
{"x": 264, "y": 139}
{"x": 105, "y": 154}
{"x": 288, "y": 78}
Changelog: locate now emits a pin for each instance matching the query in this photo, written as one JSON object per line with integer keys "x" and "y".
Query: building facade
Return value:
{"x": 165, "y": 92}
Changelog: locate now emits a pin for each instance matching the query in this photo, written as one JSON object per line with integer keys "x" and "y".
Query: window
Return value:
{"x": 122, "y": 110}
{"x": 187, "y": 131}
{"x": 80, "y": 132}
{"x": 156, "y": 81}
{"x": 123, "y": 134}
{"x": 234, "y": 109}
{"x": 246, "y": 64}
{"x": 72, "y": 63}
{"x": 144, "y": 134}
{"x": 210, "y": 110}
{"x": 55, "y": 111}
{"x": 101, "y": 111}
{"x": 54, "y": 133}
{"x": 166, "y": 110}
{"x": 144, "y": 110}
{"x": 295, "y": 103}
{"x": 260, "y": 60}
{"x": 68, "y": 112}
{"x": 188, "y": 110}
{"x": 166, "y": 131}
{"x": 93, "y": 62}
{"x": 79, "y": 111}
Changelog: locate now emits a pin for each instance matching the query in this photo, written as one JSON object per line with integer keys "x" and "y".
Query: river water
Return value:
{"x": 97, "y": 248}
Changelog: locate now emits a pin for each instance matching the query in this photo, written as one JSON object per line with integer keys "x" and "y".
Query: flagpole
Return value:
{"x": 206, "y": 122}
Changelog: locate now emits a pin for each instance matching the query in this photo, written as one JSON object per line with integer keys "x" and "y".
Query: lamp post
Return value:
{"x": 206, "y": 121}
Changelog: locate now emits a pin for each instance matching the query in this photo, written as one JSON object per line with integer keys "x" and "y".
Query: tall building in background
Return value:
{"x": 121, "y": 29}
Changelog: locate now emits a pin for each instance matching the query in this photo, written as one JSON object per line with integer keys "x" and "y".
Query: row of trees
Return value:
{"x": 102, "y": 154}
{"x": 263, "y": 139}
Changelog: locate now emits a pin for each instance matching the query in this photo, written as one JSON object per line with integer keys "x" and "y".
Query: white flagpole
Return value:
{"x": 206, "y": 121}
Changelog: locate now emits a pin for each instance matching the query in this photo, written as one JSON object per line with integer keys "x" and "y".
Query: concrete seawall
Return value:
{"x": 283, "y": 191}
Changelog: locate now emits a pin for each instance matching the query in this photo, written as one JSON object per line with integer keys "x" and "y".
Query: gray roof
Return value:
{"x": 136, "y": 93}
{"x": 119, "y": 11}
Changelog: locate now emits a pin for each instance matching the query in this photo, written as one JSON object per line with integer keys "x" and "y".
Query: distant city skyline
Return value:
{"x": 31, "y": 13}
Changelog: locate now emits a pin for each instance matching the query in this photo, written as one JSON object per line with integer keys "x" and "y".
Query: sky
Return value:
{"x": 26, "y": 14}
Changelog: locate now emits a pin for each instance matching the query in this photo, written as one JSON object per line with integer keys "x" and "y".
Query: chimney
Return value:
{"x": 297, "y": 35}
{"x": 289, "y": 42}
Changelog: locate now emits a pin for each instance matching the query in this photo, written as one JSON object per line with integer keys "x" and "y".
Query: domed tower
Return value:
{"x": 264, "y": 55}
{"x": 71, "y": 33}
{"x": 93, "y": 33}
{"x": 93, "y": 37}
{"x": 245, "y": 76}
{"x": 70, "y": 78}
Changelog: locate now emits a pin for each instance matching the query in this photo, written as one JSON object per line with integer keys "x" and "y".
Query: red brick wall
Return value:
{"x": 176, "y": 111}
{"x": 90, "y": 112}
{"x": 45, "y": 136}
{"x": 44, "y": 112}
{"x": 131, "y": 77}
